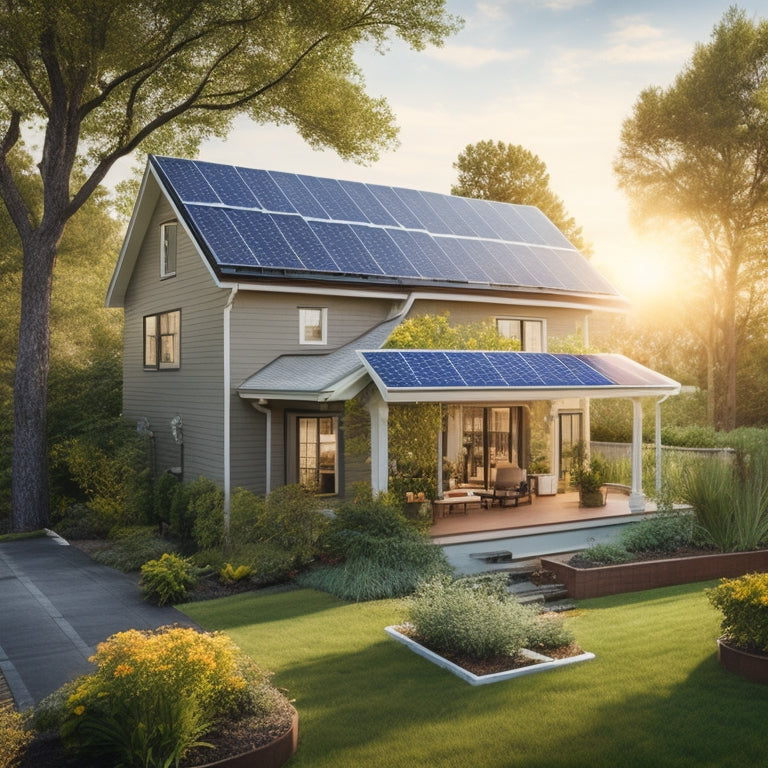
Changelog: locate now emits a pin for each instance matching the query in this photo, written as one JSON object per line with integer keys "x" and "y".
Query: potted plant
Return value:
{"x": 743, "y": 646}
{"x": 588, "y": 478}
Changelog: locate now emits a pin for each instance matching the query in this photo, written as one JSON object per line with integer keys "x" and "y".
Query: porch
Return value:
{"x": 550, "y": 525}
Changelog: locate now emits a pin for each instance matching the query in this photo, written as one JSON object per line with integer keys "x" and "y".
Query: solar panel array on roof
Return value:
{"x": 441, "y": 369}
{"x": 267, "y": 222}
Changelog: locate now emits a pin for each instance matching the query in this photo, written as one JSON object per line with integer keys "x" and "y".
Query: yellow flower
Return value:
{"x": 79, "y": 710}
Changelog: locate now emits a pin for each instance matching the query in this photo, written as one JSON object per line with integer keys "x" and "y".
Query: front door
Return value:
{"x": 571, "y": 434}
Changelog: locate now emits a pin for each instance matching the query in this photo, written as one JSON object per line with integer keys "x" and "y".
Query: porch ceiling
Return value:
{"x": 408, "y": 375}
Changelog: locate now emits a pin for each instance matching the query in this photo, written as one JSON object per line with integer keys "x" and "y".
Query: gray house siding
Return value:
{"x": 263, "y": 327}
{"x": 560, "y": 321}
{"x": 195, "y": 390}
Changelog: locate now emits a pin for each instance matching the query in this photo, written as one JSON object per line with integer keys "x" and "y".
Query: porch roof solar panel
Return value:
{"x": 408, "y": 374}
{"x": 327, "y": 229}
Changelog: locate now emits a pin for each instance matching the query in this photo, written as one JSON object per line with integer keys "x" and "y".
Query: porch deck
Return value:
{"x": 561, "y": 510}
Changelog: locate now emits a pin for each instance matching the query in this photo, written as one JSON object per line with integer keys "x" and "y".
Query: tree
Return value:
{"x": 84, "y": 384}
{"x": 696, "y": 153}
{"x": 510, "y": 173}
{"x": 102, "y": 78}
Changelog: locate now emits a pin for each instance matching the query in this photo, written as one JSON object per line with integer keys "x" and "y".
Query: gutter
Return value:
{"x": 227, "y": 406}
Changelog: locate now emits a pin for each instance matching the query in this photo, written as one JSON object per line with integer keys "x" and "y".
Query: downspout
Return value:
{"x": 227, "y": 408}
{"x": 658, "y": 447}
{"x": 268, "y": 446}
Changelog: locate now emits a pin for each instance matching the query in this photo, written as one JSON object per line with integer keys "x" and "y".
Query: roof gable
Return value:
{"x": 267, "y": 224}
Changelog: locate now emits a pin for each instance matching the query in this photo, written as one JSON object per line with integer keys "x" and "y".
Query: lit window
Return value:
{"x": 313, "y": 322}
{"x": 162, "y": 340}
{"x": 530, "y": 333}
{"x": 168, "y": 249}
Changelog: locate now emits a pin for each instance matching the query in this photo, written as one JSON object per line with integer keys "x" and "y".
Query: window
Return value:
{"x": 162, "y": 340}
{"x": 530, "y": 333}
{"x": 313, "y": 325}
{"x": 317, "y": 451}
{"x": 168, "y": 249}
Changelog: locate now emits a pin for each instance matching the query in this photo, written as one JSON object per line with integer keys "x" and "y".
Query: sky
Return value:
{"x": 555, "y": 76}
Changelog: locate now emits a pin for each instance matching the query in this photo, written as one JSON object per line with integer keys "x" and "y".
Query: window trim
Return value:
{"x": 165, "y": 274}
{"x": 157, "y": 364}
{"x": 523, "y": 320}
{"x": 323, "y": 340}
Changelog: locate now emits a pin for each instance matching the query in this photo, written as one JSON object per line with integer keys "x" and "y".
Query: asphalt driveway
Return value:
{"x": 56, "y": 606}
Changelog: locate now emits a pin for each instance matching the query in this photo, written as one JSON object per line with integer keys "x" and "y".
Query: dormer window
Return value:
{"x": 313, "y": 325}
{"x": 168, "y": 249}
{"x": 530, "y": 333}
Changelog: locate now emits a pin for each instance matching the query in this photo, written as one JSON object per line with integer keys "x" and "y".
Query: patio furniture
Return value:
{"x": 510, "y": 488}
{"x": 454, "y": 501}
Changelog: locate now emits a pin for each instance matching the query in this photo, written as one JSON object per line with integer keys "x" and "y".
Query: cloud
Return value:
{"x": 474, "y": 57}
{"x": 633, "y": 40}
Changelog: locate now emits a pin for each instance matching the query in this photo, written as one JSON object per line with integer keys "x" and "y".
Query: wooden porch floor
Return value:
{"x": 562, "y": 508}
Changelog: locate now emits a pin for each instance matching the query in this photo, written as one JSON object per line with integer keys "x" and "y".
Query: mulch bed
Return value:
{"x": 230, "y": 739}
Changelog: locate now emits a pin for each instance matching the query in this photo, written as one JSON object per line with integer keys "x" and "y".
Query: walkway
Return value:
{"x": 56, "y": 606}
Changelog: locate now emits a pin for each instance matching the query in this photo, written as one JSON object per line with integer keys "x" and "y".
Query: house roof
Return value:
{"x": 267, "y": 225}
{"x": 411, "y": 375}
{"x": 319, "y": 377}
{"x": 405, "y": 375}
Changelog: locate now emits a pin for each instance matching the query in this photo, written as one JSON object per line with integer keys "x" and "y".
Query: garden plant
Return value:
{"x": 157, "y": 695}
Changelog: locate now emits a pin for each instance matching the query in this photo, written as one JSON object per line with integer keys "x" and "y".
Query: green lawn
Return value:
{"x": 654, "y": 696}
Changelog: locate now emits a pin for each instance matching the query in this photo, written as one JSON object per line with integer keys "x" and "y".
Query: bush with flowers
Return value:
{"x": 744, "y": 605}
{"x": 157, "y": 694}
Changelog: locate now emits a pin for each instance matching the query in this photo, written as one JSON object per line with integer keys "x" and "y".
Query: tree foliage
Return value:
{"x": 509, "y": 173}
{"x": 101, "y": 78}
{"x": 696, "y": 154}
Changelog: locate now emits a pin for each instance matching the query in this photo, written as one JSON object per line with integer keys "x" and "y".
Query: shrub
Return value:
{"x": 744, "y": 604}
{"x": 245, "y": 509}
{"x": 167, "y": 580}
{"x": 231, "y": 574}
{"x": 292, "y": 519}
{"x": 155, "y": 694}
{"x": 79, "y": 521}
{"x": 451, "y": 617}
{"x": 547, "y": 632}
{"x": 269, "y": 563}
{"x": 110, "y": 467}
{"x": 205, "y": 503}
{"x": 378, "y": 567}
{"x": 606, "y": 554}
{"x": 664, "y": 533}
{"x": 162, "y": 496}
{"x": 131, "y": 547}
{"x": 14, "y": 737}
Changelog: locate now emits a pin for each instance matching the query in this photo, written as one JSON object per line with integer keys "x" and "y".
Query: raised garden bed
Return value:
{"x": 650, "y": 574}
{"x": 537, "y": 662}
{"x": 747, "y": 664}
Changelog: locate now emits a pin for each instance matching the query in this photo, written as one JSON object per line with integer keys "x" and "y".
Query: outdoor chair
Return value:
{"x": 511, "y": 487}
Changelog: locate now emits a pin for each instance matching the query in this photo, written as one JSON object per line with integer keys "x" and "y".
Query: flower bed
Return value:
{"x": 536, "y": 662}
{"x": 632, "y": 577}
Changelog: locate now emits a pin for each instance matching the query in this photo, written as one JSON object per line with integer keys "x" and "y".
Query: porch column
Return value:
{"x": 379, "y": 413}
{"x": 636, "y": 497}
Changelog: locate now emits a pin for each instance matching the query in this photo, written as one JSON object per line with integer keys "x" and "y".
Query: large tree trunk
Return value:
{"x": 30, "y": 495}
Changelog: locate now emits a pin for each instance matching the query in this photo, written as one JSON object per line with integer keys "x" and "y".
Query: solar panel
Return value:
{"x": 228, "y": 185}
{"x": 286, "y": 221}
{"x": 345, "y": 248}
{"x": 301, "y": 198}
{"x": 221, "y": 235}
{"x": 443, "y": 369}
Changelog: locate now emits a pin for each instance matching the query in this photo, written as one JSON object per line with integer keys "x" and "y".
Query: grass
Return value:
{"x": 655, "y": 694}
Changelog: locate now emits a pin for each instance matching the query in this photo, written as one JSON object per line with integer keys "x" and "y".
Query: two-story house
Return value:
{"x": 257, "y": 302}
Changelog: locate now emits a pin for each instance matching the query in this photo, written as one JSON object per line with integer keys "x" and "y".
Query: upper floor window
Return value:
{"x": 168, "y": 234}
{"x": 530, "y": 333}
{"x": 313, "y": 325}
{"x": 162, "y": 340}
